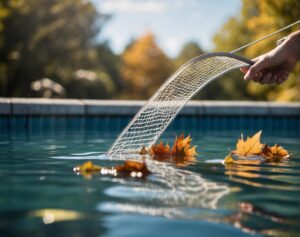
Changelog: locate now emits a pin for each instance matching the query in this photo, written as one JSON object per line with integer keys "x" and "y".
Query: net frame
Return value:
{"x": 136, "y": 134}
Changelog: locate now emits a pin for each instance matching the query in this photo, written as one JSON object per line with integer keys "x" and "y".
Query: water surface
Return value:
{"x": 40, "y": 195}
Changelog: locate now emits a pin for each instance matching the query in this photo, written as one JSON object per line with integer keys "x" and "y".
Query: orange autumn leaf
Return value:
{"x": 160, "y": 150}
{"x": 274, "y": 153}
{"x": 133, "y": 168}
{"x": 182, "y": 147}
{"x": 129, "y": 168}
{"x": 143, "y": 151}
{"x": 250, "y": 146}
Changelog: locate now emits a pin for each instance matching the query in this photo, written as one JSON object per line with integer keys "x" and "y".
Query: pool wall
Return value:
{"x": 20, "y": 113}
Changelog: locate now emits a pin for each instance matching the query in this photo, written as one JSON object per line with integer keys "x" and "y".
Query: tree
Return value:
{"x": 273, "y": 16}
{"x": 187, "y": 52}
{"x": 49, "y": 38}
{"x": 256, "y": 19}
{"x": 144, "y": 67}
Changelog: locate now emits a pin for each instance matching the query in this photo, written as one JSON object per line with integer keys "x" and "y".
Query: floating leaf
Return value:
{"x": 249, "y": 147}
{"x": 182, "y": 147}
{"x": 182, "y": 154}
{"x": 228, "y": 159}
{"x": 274, "y": 153}
{"x": 129, "y": 168}
{"x": 133, "y": 169}
{"x": 160, "y": 150}
{"x": 88, "y": 167}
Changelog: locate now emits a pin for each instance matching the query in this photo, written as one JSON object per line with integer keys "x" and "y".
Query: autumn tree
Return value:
{"x": 187, "y": 52}
{"x": 144, "y": 67}
{"x": 256, "y": 19}
{"x": 53, "y": 39}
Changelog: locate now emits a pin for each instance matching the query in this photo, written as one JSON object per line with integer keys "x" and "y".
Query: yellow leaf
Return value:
{"x": 87, "y": 167}
{"x": 274, "y": 153}
{"x": 249, "y": 147}
{"x": 228, "y": 159}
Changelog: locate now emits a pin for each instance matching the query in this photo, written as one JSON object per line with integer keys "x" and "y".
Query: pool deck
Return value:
{"x": 72, "y": 107}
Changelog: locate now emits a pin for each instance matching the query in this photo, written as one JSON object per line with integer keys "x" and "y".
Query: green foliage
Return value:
{"x": 256, "y": 19}
{"x": 187, "y": 52}
{"x": 56, "y": 39}
{"x": 53, "y": 39}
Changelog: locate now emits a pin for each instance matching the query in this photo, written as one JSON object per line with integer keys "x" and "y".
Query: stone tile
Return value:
{"x": 5, "y": 107}
{"x": 284, "y": 109}
{"x": 112, "y": 107}
{"x": 43, "y": 107}
{"x": 47, "y": 107}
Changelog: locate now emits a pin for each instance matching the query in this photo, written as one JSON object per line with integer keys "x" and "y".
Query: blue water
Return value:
{"x": 40, "y": 195}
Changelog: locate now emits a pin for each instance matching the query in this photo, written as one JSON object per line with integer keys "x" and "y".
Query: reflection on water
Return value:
{"x": 255, "y": 173}
{"x": 171, "y": 187}
{"x": 50, "y": 216}
{"x": 246, "y": 211}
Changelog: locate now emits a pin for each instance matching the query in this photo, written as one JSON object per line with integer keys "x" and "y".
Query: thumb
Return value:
{"x": 244, "y": 69}
{"x": 257, "y": 67}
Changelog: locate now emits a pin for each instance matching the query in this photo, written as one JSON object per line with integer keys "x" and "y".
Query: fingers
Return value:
{"x": 282, "y": 79}
{"x": 258, "y": 77}
{"x": 270, "y": 78}
{"x": 244, "y": 69}
{"x": 267, "y": 78}
{"x": 261, "y": 63}
{"x": 254, "y": 70}
{"x": 266, "y": 70}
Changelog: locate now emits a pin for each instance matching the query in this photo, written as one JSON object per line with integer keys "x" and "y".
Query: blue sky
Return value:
{"x": 173, "y": 22}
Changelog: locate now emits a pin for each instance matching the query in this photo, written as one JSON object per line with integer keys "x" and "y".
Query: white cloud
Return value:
{"x": 112, "y": 6}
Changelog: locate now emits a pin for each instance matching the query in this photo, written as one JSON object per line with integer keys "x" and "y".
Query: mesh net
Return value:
{"x": 154, "y": 117}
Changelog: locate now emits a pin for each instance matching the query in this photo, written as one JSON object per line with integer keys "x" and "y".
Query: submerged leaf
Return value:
{"x": 274, "y": 153}
{"x": 249, "y": 147}
{"x": 133, "y": 169}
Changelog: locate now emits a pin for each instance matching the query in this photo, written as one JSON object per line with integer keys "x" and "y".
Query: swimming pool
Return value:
{"x": 40, "y": 195}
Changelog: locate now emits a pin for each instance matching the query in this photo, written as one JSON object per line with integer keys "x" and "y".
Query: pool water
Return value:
{"x": 40, "y": 195}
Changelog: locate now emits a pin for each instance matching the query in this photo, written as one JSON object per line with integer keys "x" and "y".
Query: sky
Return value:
{"x": 173, "y": 22}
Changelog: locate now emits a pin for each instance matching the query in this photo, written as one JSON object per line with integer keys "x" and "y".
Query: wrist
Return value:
{"x": 292, "y": 46}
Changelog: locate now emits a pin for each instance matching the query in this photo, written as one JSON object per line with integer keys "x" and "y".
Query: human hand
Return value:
{"x": 276, "y": 65}
{"x": 272, "y": 67}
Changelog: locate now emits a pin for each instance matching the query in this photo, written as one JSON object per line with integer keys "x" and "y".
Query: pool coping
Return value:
{"x": 72, "y": 107}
